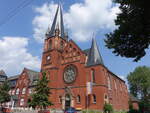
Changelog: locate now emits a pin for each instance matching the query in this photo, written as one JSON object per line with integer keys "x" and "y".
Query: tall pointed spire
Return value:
{"x": 94, "y": 56}
{"x": 57, "y": 24}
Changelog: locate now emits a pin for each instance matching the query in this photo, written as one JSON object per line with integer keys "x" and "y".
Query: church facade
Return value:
{"x": 70, "y": 69}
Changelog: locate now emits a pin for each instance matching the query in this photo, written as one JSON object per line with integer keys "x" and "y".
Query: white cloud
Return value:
{"x": 82, "y": 19}
{"x": 43, "y": 20}
{"x": 14, "y": 55}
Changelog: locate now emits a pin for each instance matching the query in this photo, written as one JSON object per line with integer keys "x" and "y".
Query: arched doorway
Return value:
{"x": 67, "y": 101}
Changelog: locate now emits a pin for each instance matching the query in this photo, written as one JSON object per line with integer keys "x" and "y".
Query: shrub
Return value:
{"x": 133, "y": 111}
{"x": 120, "y": 112}
{"x": 144, "y": 106}
{"x": 91, "y": 111}
{"x": 108, "y": 108}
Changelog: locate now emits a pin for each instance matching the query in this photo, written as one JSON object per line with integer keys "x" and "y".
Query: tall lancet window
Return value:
{"x": 60, "y": 99}
{"x": 17, "y": 91}
{"x": 94, "y": 98}
{"x": 24, "y": 90}
{"x": 50, "y": 44}
{"x": 78, "y": 99}
{"x": 109, "y": 83}
{"x": 61, "y": 45}
{"x": 93, "y": 75}
{"x": 115, "y": 84}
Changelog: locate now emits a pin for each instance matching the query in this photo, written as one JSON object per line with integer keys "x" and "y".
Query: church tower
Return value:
{"x": 69, "y": 69}
{"x": 55, "y": 42}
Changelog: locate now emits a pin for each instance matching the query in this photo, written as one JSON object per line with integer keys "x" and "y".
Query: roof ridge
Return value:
{"x": 31, "y": 70}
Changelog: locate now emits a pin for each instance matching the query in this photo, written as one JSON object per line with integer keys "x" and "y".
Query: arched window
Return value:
{"x": 70, "y": 46}
{"x": 30, "y": 90}
{"x": 78, "y": 99}
{"x": 105, "y": 98}
{"x": 66, "y": 52}
{"x": 109, "y": 83}
{"x": 115, "y": 84}
{"x": 74, "y": 51}
{"x": 60, "y": 99}
{"x": 61, "y": 45}
{"x": 48, "y": 74}
{"x": 93, "y": 75}
{"x": 13, "y": 92}
{"x": 24, "y": 90}
{"x": 120, "y": 87}
{"x": 94, "y": 98}
{"x": 21, "y": 102}
{"x": 17, "y": 91}
{"x": 78, "y": 53}
{"x": 50, "y": 44}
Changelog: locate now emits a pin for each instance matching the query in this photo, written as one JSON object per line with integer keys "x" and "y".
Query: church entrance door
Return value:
{"x": 67, "y": 101}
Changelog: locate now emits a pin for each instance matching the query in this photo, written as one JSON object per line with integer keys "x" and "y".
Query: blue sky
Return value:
{"x": 21, "y": 37}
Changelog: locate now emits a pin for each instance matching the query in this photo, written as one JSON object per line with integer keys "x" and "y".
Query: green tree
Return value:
{"x": 4, "y": 93}
{"x": 108, "y": 108}
{"x": 42, "y": 92}
{"x": 139, "y": 85}
{"x": 132, "y": 36}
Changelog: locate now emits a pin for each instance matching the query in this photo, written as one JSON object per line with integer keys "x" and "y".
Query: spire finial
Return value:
{"x": 57, "y": 23}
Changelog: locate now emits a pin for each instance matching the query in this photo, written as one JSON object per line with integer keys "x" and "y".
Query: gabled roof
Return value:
{"x": 2, "y": 73}
{"x": 13, "y": 80}
{"x": 71, "y": 41}
{"x": 33, "y": 76}
{"x": 13, "y": 77}
{"x": 57, "y": 24}
{"x": 73, "y": 44}
{"x": 94, "y": 56}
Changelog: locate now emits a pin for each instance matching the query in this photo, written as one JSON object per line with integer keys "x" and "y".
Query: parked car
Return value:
{"x": 5, "y": 110}
{"x": 70, "y": 110}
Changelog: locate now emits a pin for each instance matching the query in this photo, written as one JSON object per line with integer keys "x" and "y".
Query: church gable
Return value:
{"x": 72, "y": 53}
{"x": 23, "y": 79}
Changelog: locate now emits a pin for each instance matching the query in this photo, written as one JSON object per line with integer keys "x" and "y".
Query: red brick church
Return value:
{"x": 69, "y": 68}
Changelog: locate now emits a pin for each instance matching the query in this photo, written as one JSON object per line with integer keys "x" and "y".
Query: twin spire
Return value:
{"x": 57, "y": 27}
{"x": 57, "y": 24}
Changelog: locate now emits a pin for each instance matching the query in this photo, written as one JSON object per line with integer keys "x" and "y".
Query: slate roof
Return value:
{"x": 87, "y": 52}
{"x": 13, "y": 77}
{"x": 2, "y": 73}
{"x": 13, "y": 80}
{"x": 94, "y": 56}
{"x": 33, "y": 76}
{"x": 57, "y": 24}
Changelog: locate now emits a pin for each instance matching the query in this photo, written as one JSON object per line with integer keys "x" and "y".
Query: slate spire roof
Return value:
{"x": 94, "y": 56}
{"x": 57, "y": 24}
